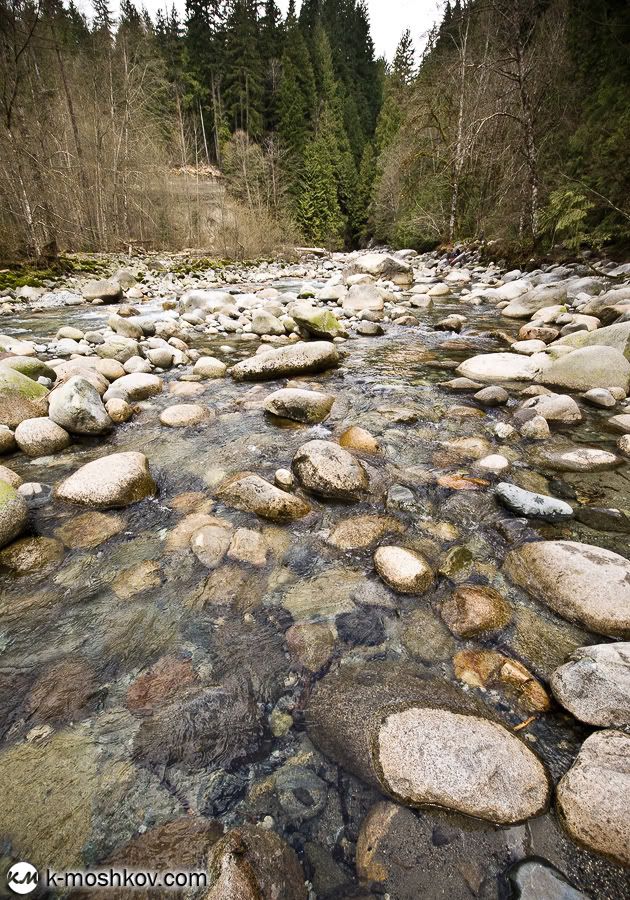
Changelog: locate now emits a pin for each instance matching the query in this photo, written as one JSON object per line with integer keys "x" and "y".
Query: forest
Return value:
{"x": 240, "y": 131}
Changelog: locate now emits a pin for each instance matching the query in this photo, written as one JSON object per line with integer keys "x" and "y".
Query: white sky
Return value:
{"x": 388, "y": 18}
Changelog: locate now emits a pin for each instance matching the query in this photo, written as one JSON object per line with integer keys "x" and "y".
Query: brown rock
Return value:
{"x": 165, "y": 680}
{"x": 142, "y": 577}
{"x": 357, "y": 438}
{"x": 32, "y": 554}
{"x": 311, "y": 644}
{"x": 472, "y": 609}
{"x": 62, "y": 693}
{"x": 488, "y": 668}
{"x": 250, "y": 863}
{"x": 462, "y": 482}
{"x": 361, "y": 531}
{"x": 89, "y": 530}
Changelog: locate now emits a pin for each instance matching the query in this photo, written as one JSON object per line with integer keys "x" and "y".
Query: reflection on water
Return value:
{"x": 137, "y": 686}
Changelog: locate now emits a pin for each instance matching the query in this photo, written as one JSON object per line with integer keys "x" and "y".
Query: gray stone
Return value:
{"x": 106, "y": 290}
{"x": 112, "y": 481}
{"x": 531, "y": 505}
{"x": 580, "y": 582}
{"x": 491, "y": 367}
{"x": 20, "y": 398}
{"x": 555, "y": 408}
{"x": 76, "y": 406}
{"x": 589, "y": 367}
{"x": 580, "y": 459}
{"x": 594, "y": 684}
{"x": 592, "y": 797}
{"x": 292, "y": 360}
{"x": 326, "y": 469}
{"x": 41, "y": 437}
{"x": 492, "y": 396}
{"x": 13, "y": 513}
{"x": 305, "y": 406}
{"x": 252, "y": 493}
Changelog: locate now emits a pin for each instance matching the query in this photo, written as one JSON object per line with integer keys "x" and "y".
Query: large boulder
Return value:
{"x": 422, "y": 741}
{"x": 492, "y": 367}
{"x": 589, "y": 367}
{"x": 385, "y": 266}
{"x": 252, "y": 493}
{"x": 592, "y": 797}
{"x": 363, "y": 298}
{"x": 30, "y": 366}
{"x": 616, "y": 336}
{"x": 594, "y": 684}
{"x": 299, "y": 405}
{"x": 296, "y": 359}
{"x": 580, "y": 582}
{"x": 13, "y": 513}
{"x": 112, "y": 481}
{"x": 109, "y": 291}
{"x": 137, "y": 386}
{"x": 326, "y": 469}
{"x": 20, "y": 398}
{"x": 320, "y": 323}
{"x": 77, "y": 406}
{"x": 40, "y": 437}
{"x": 206, "y": 302}
{"x": 525, "y": 305}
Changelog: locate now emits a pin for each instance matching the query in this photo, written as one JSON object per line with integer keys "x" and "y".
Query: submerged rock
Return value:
{"x": 580, "y": 582}
{"x": 252, "y": 493}
{"x": 251, "y": 863}
{"x": 326, "y": 469}
{"x": 474, "y": 609}
{"x": 184, "y": 415}
{"x": 119, "y": 479}
{"x": 423, "y": 742}
{"x": 13, "y": 513}
{"x": 403, "y": 570}
{"x": 292, "y": 360}
{"x": 359, "y": 439}
{"x": 594, "y": 684}
{"x": 536, "y": 879}
{"x": 362, "y": 531}
{"x": 592, "y": 798}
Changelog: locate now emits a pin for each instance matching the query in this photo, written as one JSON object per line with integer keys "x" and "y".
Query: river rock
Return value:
{"x": 183, "y": 415}
{"x": 531, "y": 505}
{"x": 138, "y": 386}
{"x": 474, "y": 609}
{"x": 20, "y": 398}
{"x": 264, "y": 323}
{"x": 209, "y": 367}
{"x": 206, "y": 302}
{"x": 299, "y": 405}
{"x": 320, "y": 323}
{"x": 30, "y": 366}
{"x": 252, "y": 493}
{"x": 580, "y": 459}
{"x": 77, "y": 407}
{"x": 210, "y": 543}
{"x": 326, "y": 469}
{"x": 490, "y": 367}
{"x": 594, "y": 684}
{"x": 13, "y": 513}
{"x": 119, "y": 411}
{"x": 580, "y": 582}
{"x": 589, "y": 367}
{"x": 7, "y": 440}
{"x": 251, "y": 863}
{"x": 620, "y": 424}
{"x": 555, "y": 408}
{"x": 109, "y": 291}
{"x": 592, "y": 798}
{"x": 359, "y": 532}
{"x": 89, "y": 529}
{"x": 311, "y": 644}
{"x": 357, "y": 438}
{"x": 10, "y": 477}
{"x": 295, "y": 359}
{"x": 493, "y": 395}
{"x": 116, "y": 480}
{"x": 490, "y": 669}
{"x": 41, "y": 437}
{"x": 385, "y": 266}
{"x": 616, "y": 336}
{"x": 31, "y": 554}
{"x": 536, "y": 879}
{"x": 601, "y": 397}
{"x": 118, "y": 348}
{"x": 406, "y": 571}
{"x": 363, "y": 298}
{"x": 423, "y": 742}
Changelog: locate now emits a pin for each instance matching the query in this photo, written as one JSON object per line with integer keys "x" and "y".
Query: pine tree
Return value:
{"x": 271, "y": 41}
{"x": 317, "y": 209}
{"x": 243, "y": 90}
{"x": 296, "y": 94}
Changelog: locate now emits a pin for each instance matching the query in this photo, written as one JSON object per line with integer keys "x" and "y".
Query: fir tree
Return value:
{"x": 243, "y": 89}
{"x": 317, "y": 209}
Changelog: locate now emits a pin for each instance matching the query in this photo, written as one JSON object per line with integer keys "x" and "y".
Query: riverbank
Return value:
{"x": 317, "y": 571}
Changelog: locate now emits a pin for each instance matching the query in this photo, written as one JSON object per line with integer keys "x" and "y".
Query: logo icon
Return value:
{"x": 22, "y": 878}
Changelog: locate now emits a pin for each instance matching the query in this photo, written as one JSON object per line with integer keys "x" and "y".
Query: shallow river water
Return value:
{"x": 139, "y": 689}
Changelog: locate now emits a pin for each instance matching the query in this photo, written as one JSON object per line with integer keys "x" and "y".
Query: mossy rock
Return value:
{"x": 30, "y": 366}
{"x": 20, "y": 398}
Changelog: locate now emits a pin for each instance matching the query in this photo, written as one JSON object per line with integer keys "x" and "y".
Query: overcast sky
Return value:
{"x": 388, "y": 18}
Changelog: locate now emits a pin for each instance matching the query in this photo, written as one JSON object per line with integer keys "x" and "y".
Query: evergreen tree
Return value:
{"x": 317, "y": 209}
{"x": 243, "y": 90}
{"x": 296, "y": 94}
{"x": 271, "y": 41}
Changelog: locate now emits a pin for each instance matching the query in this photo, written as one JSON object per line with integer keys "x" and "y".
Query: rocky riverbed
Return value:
{"x": 315, "y": 576}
